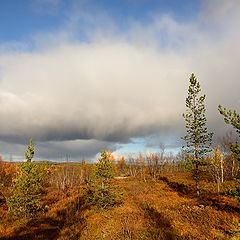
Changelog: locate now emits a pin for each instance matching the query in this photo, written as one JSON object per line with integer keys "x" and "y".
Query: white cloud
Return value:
{"x": 96, "y": 91}
{"x": 120, "y": 85}
{"x": 219, "y": 11}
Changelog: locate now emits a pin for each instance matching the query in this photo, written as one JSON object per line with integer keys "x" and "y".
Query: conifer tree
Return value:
{"x": 104, "y": 169}
{"x": 30, "y": 152}
{"x": 25, "y": 200}
{"x": 197, "y": 139}
{"x": 101, "y": 192}
{"x": 233, "y": 118}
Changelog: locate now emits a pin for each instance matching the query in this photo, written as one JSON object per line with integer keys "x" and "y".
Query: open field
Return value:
{"x": 165, "y": 209}
{"x": 119, "y": 119}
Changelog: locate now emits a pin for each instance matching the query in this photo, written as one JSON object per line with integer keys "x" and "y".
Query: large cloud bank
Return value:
{"x": 74, "y": 97}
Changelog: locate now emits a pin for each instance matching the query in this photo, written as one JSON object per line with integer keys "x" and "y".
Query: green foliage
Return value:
{"x": 104, "y": 168}
{"x": 25, "y": 200}
{"x": 101, "y": 192}
{"x": 234, "y": 190}
{"x": 197, "y": 139}
{"x": 30, "y": 152}
{"x": 233, "y": 118}
{"x": 235, "y": 231}
{"x": 188, "y": 164}
{"x": 104, "y": 197}
{"x": 235, "y": 149}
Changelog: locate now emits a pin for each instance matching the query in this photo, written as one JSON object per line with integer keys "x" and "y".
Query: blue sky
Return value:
{"x": 80, "y": 75}
{"x": 21, "y": 20}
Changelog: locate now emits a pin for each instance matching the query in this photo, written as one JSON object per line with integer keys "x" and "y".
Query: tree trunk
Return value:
{"x": 222, "y": 170}
{"x": 196, "y": 150}
{"x": 197, "y": 179}
{"x": 233, "y": 165}
{"x": 218, "y": 186}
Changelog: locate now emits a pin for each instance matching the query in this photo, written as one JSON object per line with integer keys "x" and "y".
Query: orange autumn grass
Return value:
{"x": 165, "y": 209}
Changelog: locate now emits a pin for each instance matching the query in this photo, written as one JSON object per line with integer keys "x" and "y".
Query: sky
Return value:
{"x": 80, "y": 75}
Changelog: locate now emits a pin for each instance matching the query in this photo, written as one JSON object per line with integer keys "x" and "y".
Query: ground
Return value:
{"x": 165, "y": 209}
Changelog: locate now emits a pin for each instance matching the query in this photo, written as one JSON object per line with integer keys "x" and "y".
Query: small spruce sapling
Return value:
{"x": 25, "y": 200}
{"x": 101, "y": 192}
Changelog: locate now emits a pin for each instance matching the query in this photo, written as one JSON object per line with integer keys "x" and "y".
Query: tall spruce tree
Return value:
{"x": 197, "y": 139}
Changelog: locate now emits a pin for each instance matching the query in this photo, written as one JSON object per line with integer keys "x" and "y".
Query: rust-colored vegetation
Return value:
{"x": 159, "y": 203}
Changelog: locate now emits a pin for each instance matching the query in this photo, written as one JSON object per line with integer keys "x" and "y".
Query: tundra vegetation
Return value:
{"x": 140, "y": 196}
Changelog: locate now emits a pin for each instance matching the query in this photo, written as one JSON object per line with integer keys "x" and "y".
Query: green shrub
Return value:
{"x": 234, "y": 190}
{"x": 103, "y": 197}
